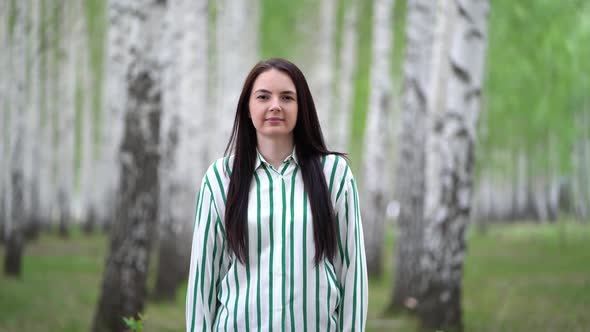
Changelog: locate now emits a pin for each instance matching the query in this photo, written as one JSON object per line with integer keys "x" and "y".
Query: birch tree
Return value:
{"x": 65, "y": 114}
{"x": 6, "y": 133}
{"x": 409, "y": 187}
{"x": 184, "y": 138}
{"x": 34, "y": 122}
{"x": 456, "y": 87}
{"x": 16, "y": 212}
{"x": 124, "y": 282}
{"x": 87, "y": 169}
{"x": 236, "y": 53}
{"x": 97, "y": 129}
{"x": 343, "y": 104}
{"x": 118, "y": 56}
{"x": 374, "y": 158}
{"x": 324, "y": 65}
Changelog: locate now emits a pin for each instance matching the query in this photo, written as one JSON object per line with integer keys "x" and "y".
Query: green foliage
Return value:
{"x": 135, "y": 325}
{"x": 279, "y": 35}
{"x": 537, "y": 78}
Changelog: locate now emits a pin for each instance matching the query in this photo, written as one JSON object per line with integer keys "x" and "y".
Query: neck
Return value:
{"x": 275, "y": 149}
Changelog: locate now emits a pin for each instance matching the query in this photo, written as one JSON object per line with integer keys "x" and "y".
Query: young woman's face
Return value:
{"x": 273, "y": 104}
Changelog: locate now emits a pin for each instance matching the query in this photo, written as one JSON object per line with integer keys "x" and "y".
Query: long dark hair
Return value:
{"x": 308, "y": 138}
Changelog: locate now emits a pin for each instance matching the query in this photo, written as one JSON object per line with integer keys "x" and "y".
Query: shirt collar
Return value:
{"x": 260, "y": 159}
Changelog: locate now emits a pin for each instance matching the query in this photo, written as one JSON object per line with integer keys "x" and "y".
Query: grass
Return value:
{"x": 517, "y": 278}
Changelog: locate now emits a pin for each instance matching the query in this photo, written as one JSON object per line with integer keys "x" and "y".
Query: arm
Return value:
{"x": 206, "y": 266}
{"x": 353, "y": 276}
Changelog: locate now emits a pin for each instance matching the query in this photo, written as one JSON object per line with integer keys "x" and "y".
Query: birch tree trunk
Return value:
{"x": 87, "y": 169}
{"x": 410, "y": 170}
{"x": 34, "y": 123}
{"x": 184, "y": 139}
{"x": 342, "y": 113}
{"x": 581, "y": 172}
{"x": 6, "y": 126}
{"x": 65, "y": 144}
{"x": 16, "y": 101}
{"x": 324, "y": 65}
{"x": 460, "y": 44}
{"x": 124, "y": 282}
{"x": 237, "y": 52}
{"x": 374, "y": 159}
{"x": 96, "y": 116}
{"x": 118, "y": 58}
{"x": 49, "y": 95}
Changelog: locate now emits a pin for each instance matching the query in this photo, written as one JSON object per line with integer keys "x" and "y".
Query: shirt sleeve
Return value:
{"x": 353, "y": 274}
{"x": 206, "y": 265}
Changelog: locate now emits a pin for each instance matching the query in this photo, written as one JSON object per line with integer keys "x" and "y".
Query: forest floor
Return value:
{"x": 519, "y": 277}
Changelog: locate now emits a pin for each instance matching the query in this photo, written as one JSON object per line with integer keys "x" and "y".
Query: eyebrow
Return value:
{"x": 287, "y": 92}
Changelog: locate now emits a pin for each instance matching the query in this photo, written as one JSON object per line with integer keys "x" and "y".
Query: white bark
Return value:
{"x": 459, "y": 53}
{"x": 87, "y": 166}
{"x": 47, "y": 154}
{"x": 237, "y": 52}
{"x": 118, "y": 56}
{"x": 124, "y": 283}
{"x": 374, "y": 159}
{"x": 5, "y": 116}
{"x": 581, "y": 171}
{"x": 17, "y": 102}
{"x": 34, "y": 120}
{"x": 521, "y": 186}
{"x": 343, "y": 103}
{"x": 66, "y": 110}
{"x": 324, "y": 65}
{"x": 410, "y": 167}
{"x": 184, "y": 136}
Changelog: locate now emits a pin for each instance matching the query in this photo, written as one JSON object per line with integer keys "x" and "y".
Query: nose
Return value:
{"x": 275, "y": 105}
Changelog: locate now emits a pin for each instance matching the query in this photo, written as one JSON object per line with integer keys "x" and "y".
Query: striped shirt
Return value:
{"x": 280, "y": 288}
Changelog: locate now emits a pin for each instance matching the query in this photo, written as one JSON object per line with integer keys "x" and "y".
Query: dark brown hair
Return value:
{"x": 308, "y": 138}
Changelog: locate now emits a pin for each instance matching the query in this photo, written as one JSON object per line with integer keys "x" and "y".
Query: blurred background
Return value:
{"x": 467, "y": 124}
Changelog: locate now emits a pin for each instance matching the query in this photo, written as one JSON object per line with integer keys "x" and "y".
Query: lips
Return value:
{"x": 274, "y": 119}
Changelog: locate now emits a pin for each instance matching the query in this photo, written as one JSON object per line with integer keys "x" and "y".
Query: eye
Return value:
{"x": 262, "y": 97}
{"x": 288, "y": 97}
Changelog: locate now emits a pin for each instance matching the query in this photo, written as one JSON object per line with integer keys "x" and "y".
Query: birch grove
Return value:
{"x": 123, "y": 292}
{"x": 118, "y": 55}
{"x": 236, "y": 53}
{"x": 15, "y": 206}
{"x": 111, "y": 111}
{"x": 33, "y": 124}
{"x": 374, "y": 196}
{"x": 409, "y": 186}
{"x": 70, "y": 35}
{"x": 342, "y": 112}
{"x": 459, "y": 53}
{"x": 184, "y": 138}
{"x": 324, "y": 65}
{"x": 5, "y": 116}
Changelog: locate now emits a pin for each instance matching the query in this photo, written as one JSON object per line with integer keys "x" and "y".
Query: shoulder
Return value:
{"x": 338, "y": 175}
{"x": 220, "y": 168}
{"x": 335, "y": 166}
{"x": 216, "y": 177}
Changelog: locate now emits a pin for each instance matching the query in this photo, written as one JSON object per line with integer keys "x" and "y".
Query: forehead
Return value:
{"x": 274, "y": 79}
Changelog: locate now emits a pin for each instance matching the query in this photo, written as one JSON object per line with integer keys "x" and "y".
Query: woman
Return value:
{"x": 278, "y": 242}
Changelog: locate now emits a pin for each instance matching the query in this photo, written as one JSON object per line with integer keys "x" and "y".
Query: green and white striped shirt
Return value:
{"x": 280, "y": 288}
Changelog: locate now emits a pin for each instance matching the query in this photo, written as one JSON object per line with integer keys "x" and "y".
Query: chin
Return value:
{"x": 276, "y": 133}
